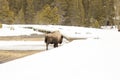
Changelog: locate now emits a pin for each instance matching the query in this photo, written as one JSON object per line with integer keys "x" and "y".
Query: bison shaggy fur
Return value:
{"x": 54, "y": 38}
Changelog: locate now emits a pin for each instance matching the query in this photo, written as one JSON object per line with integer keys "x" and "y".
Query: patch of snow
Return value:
{"x": 22, "y": 45}
{"x": 89, "y": 59}
{"x": 79, "y": 60}
{"x": 67, "y": 31}
{"x": 26, "y": 45}
{"x": 17, "y": 31}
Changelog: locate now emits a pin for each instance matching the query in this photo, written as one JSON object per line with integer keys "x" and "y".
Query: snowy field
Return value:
{"x": 97, "y": 57}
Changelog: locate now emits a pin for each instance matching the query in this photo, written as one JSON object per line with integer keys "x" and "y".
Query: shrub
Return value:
{"x": 94, "y": 23}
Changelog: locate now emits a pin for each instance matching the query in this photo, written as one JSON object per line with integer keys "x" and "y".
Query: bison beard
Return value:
{"x": 53, "y": 38}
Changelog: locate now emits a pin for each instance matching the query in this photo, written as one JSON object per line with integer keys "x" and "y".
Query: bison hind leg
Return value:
{"x": 55, "y": 45}
{"x": 47, "y": 46}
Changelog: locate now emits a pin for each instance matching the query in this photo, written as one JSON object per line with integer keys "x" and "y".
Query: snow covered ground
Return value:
{"x": 21, "y": 45}
{"x": 6, "y": 31}
{"x": 95, "y": 58}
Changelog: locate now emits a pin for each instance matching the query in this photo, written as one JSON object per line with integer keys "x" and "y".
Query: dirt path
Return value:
{"x": 9, "y": 55}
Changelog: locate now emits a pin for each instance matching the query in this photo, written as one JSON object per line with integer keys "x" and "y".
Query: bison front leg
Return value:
{"x": 55, "y": 45}
{"x": 47, "y": 46}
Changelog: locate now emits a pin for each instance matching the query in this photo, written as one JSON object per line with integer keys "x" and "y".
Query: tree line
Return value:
{"x": 57, "y": 12}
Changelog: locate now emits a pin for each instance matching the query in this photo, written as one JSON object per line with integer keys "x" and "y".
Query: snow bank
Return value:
{"x": 72, "y": 32}
{"x": 17, "y": 31}
{"x": 90, "y": 59}
{"x": 79, "y": 60}
{"x": 67, "y": 31}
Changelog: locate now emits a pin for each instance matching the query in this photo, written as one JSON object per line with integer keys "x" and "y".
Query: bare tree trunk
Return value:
{"x": 117, "y": 13}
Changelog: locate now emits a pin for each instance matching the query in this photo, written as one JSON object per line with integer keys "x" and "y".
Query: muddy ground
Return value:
{"x": 9, "y": 55}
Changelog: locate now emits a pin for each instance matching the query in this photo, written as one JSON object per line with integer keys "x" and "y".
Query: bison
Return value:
{"x": 53, "y": 38}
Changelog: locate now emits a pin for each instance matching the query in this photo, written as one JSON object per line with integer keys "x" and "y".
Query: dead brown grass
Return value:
{"x": 8, "y": 55}
{"x": 23, "y": 38}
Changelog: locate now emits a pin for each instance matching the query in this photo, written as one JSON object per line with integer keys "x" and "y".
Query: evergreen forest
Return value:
{"x": 57, "y": 12}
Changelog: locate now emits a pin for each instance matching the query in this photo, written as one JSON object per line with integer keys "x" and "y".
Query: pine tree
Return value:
{"x": 6, "y": 15}
{"x": 39, "y": 4}
{"x": 63, "y": 7}
{"x": 86, "y": 5}
{"x": 29, "y": 13}
{"x": 41, "y": 16}
{"x": 76, "y": 11}
{"x": 48, "y": 15}
{"x": 19, "y": 19}
{"x": 117, "y": 14}
{"x": 65, "y": 12}
{"x": 72, "y": 11}
{"x": 15, "y": 5}
{"x": 56, "y": 18}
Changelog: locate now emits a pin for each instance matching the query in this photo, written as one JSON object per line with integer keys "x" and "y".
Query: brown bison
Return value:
{"x": 53, "y": 38}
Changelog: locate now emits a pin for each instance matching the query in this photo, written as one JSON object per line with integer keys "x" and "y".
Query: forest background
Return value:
{"x": 87, "y": 13}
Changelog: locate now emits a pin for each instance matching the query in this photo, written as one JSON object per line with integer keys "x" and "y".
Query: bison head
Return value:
{"x": 53, "y": 38}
